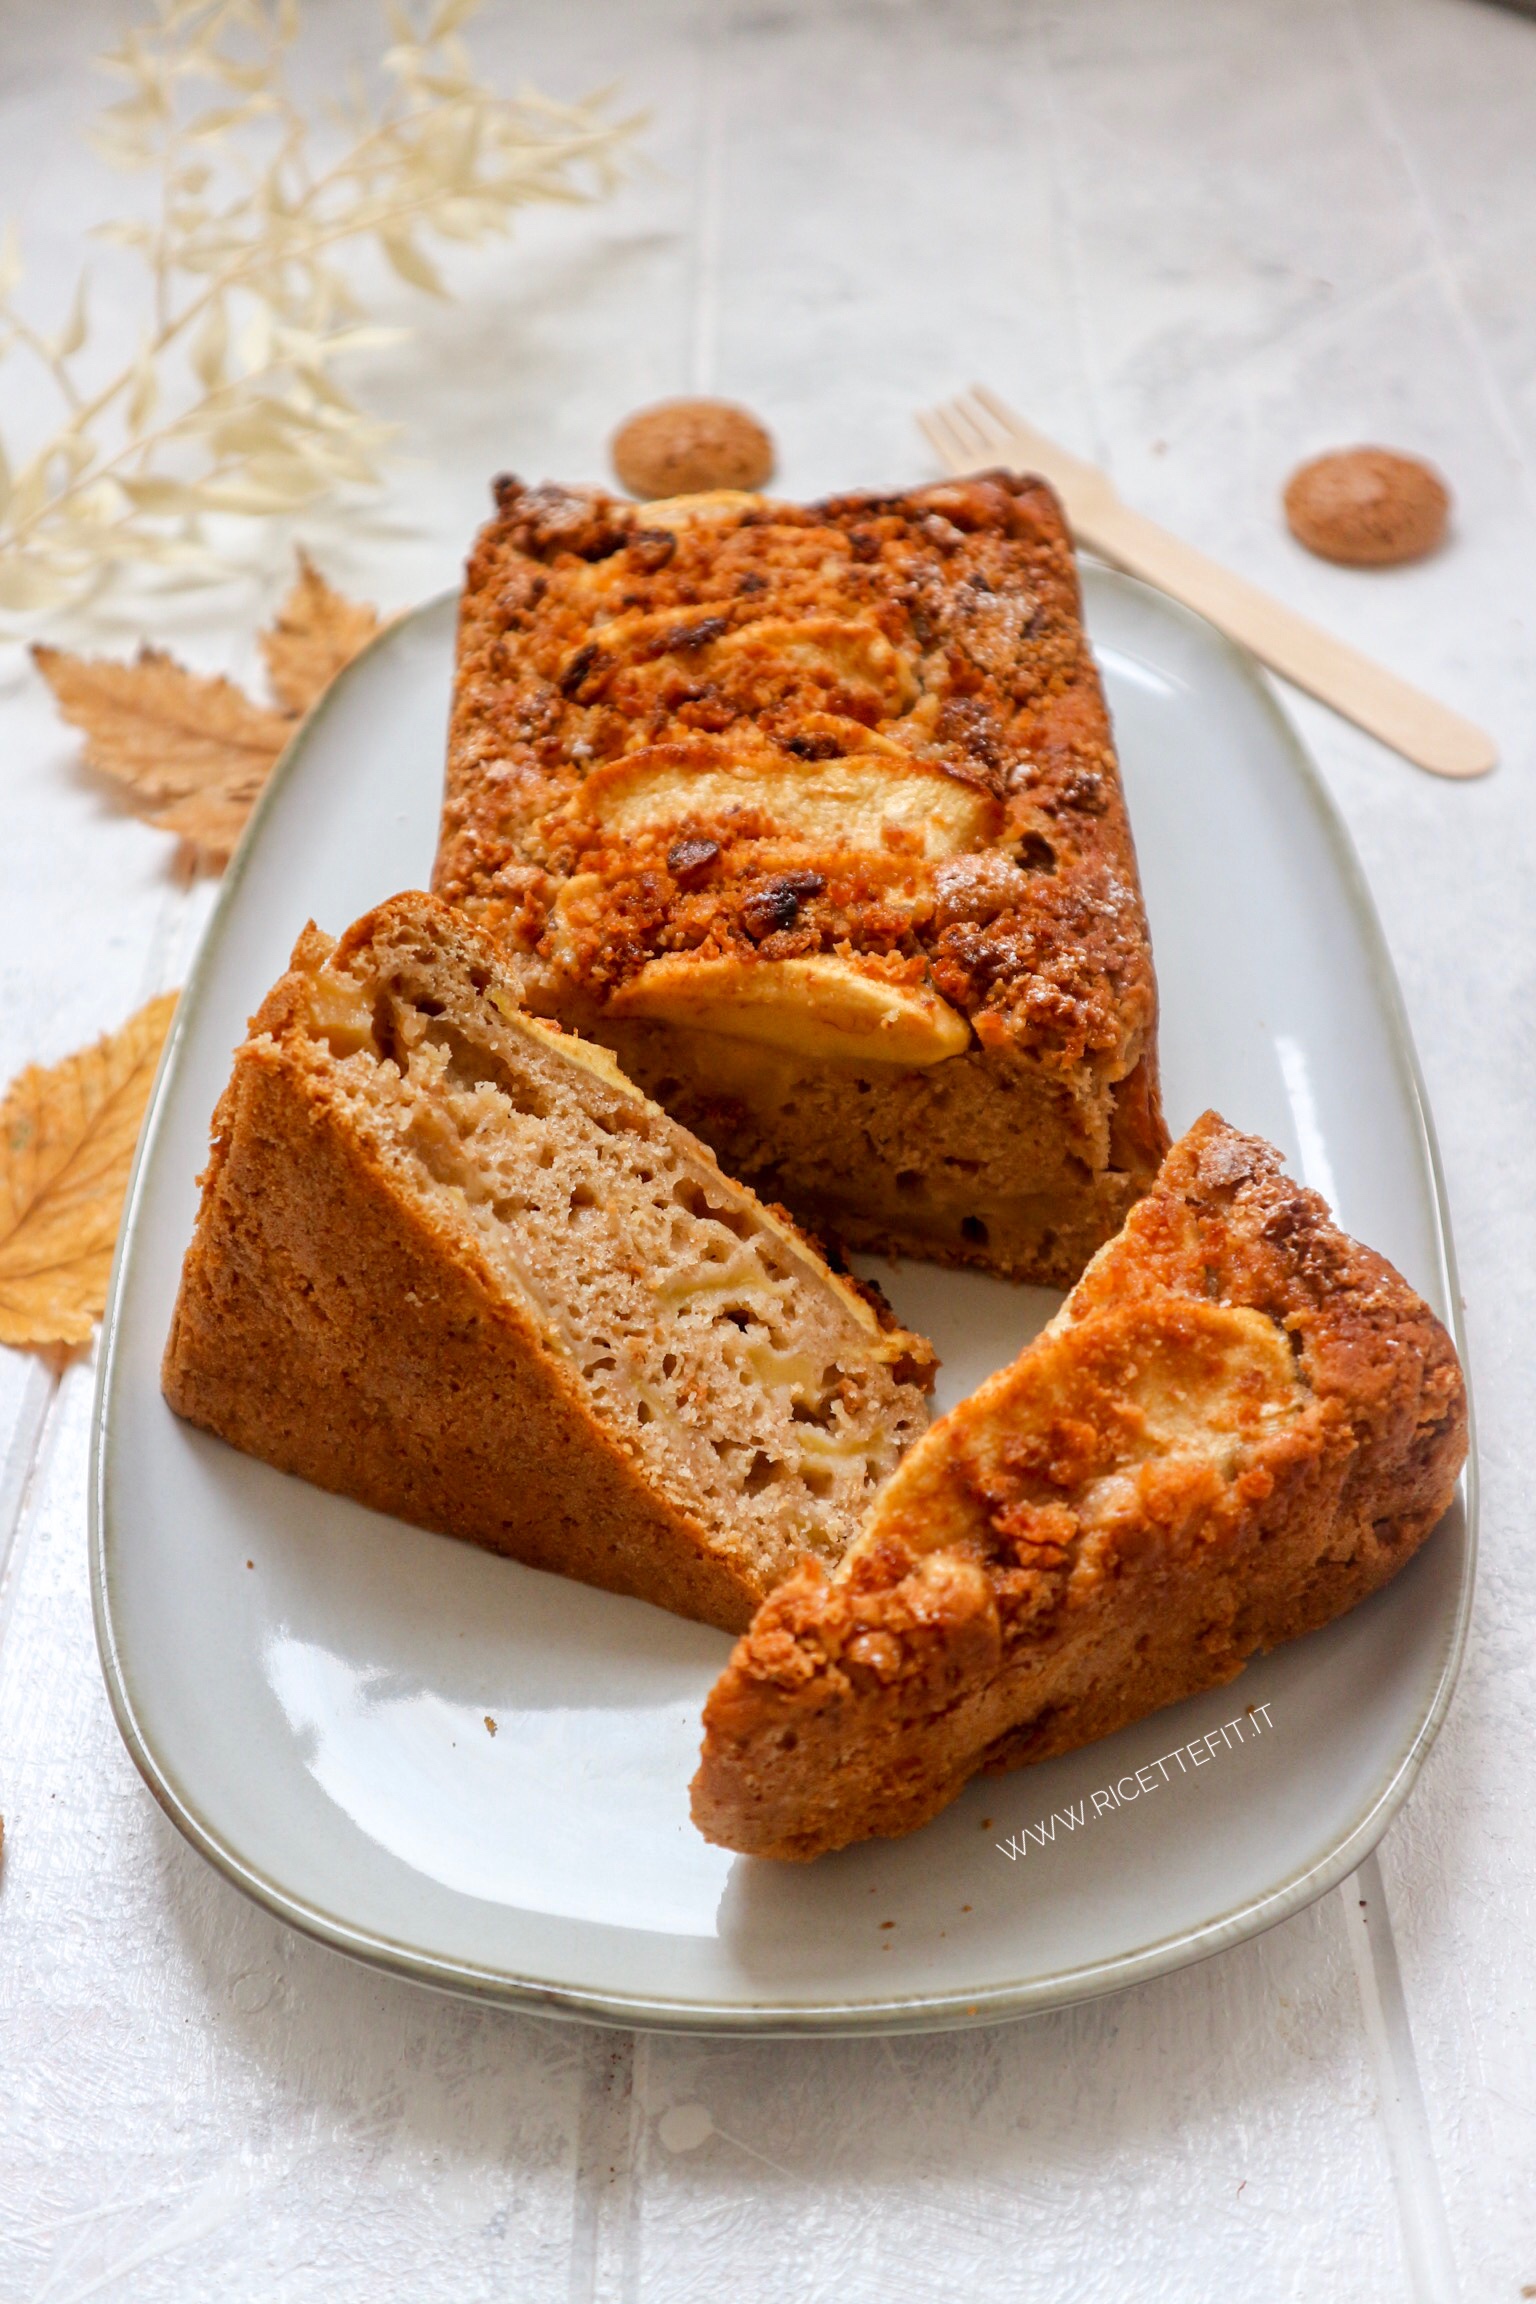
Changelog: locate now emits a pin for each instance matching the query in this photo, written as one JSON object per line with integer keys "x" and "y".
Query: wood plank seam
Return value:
{"x": 603, "y": 2267}
{"x": 1427, "y": 2253}
{"x": 25, "y": 1456}
{"x": 1069, "y": 252}
{"x": 178, "y": 918}
{"x": 1441, "y": 263}
{"x": 708, "y": 189}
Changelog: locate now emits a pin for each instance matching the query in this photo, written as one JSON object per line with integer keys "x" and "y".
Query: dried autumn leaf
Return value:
{"x": 67, "y": 1134}
{"x": 317, "y": 631}
{"x": 191, "y": 752}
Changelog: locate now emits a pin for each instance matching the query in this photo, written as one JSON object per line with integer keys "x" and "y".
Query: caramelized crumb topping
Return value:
{"x": 1241, "y": 1422}
{"x": 869, "y": 729}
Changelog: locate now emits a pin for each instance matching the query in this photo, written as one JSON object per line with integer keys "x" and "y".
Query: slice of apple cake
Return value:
{"x": 450, "y": 1262}
{"x": 812, "y": 814}
{"x": 1240, "y": 1424}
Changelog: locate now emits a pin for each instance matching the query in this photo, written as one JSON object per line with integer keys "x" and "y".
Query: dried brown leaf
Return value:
{"x": 191, "y": 752}
{"x": 67, "y": 1135}
{"x": 317, "y": 631}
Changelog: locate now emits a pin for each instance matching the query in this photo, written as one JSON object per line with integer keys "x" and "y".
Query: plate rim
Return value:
{"x": 916, "y": 2012}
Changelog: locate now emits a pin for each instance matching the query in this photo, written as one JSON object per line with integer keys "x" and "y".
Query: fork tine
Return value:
{"x": 937, "y": 430}
{"x": 960, "y": 441}
{"x": 987, "y": 435}
{"x": 1000, "y": 416}
{"x": 970, "y": 440}
{"x": 932, "y": 431}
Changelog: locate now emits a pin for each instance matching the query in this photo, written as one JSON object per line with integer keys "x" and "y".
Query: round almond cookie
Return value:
{"x": 1367, "y": 507}
{"x": 685, "y": 447}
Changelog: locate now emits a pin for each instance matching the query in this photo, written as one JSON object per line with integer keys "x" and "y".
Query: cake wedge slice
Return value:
{"x": 449, "y": 1261}
{"x": 1239, "y": 1424}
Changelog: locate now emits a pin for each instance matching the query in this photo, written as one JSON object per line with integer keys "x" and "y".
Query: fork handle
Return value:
{"x": 1427, "y": 733}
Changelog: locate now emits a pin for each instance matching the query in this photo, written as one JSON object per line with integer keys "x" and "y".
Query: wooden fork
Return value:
{"x": 977, "y": 429}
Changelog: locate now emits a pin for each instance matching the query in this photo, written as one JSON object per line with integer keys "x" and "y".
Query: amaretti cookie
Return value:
{"x": 1240, "y": 1424}
{"x": 812, "y": 814}
{"x": 450, "y": 1262}
{"x": 690, "y": 445}
{"x": 1368, "y": 507}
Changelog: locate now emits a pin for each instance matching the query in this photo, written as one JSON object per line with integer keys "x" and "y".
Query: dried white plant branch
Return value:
{"x": 231, "y": 403}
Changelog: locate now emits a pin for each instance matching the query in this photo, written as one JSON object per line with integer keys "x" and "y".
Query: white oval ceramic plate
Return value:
{"x": 309, "y": 1688}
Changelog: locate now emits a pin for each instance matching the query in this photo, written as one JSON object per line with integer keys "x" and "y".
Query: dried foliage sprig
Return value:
{"x": 231, "y": 402}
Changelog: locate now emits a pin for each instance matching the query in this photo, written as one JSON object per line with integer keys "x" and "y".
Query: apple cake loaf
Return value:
{"x": 812, "y": 815}
{"x": 450, "y": 1262}
{"x": 1239, "y": 1425}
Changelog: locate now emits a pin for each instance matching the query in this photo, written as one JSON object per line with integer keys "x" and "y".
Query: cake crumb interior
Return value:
{"x": 709, "y": 1344}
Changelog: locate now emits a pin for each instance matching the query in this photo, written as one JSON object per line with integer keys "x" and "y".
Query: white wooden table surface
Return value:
{"x": 1198, "y": 241}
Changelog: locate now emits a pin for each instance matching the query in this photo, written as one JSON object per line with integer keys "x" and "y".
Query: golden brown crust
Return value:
{"x": 288, "y": 1343}
{"x": 1242, "y": 1423}
{"x": 866, "y": 734}
{"x": 333, "y": 1323}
